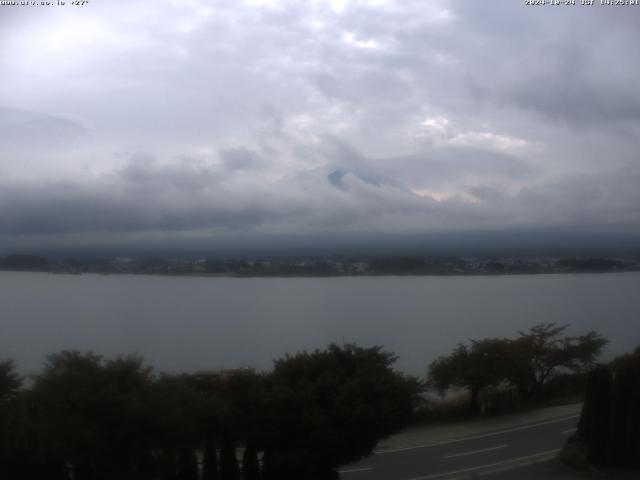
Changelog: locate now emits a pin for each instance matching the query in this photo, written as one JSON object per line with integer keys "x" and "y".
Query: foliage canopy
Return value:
{"x": 526, "y": 362}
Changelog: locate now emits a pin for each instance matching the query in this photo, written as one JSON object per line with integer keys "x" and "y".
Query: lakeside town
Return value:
{"x": 323, "y": 265}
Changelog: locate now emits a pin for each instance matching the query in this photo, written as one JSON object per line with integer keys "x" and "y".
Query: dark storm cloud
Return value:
{"x": 189, "y": 195}
{"x": 598, "y": 201}
{"x": 132, "y": 199}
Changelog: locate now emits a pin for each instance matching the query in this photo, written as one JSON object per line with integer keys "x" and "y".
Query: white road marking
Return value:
{"x": 355, "y": 470}
{"x": 474, "y": 437}
{"x": 476, "y": 451}
{"x": 571, "y": 430}
{"x": 489, "y": 465}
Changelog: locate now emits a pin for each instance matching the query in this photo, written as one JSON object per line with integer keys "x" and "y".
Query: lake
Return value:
{"x": 198, "y": 323}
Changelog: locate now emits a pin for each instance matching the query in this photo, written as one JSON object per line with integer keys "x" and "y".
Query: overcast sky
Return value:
{"x": 143, "y": 120}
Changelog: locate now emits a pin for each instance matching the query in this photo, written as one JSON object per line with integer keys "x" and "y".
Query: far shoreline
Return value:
{"x": 310, "y": 276}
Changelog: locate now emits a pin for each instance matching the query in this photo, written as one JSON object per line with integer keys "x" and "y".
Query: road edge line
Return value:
{"x": 513, "y": 461}
{"x": 475, "y": 437}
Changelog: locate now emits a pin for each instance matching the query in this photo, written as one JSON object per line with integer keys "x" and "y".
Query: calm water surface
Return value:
{"x": 190, "y": 323}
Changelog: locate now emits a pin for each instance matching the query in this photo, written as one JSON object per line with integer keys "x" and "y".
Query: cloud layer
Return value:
{"x": 321, "y": 117}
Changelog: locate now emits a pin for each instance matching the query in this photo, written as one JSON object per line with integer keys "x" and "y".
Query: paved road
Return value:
{"x": 467, "y": 457}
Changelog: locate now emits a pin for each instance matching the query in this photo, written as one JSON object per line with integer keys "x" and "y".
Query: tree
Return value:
{"x": 10, "y": 420}
{"x": 250, "y": 464}
{"x": 187, "y": 465}
{"x": 232, "y": 408}
{"x": 526, "y": 362}
{"x": 471, "y": 367}
{"x": 328, "y": 408}
{"x": 210, "y": 459}
{"x": 239, "y": 403}
{"x": 594, "y": 422}
{"x": 10, "y": 381}
{"x": 542, "y": 352}
{"x": 229, "y": 469}
{"x": 91, "y": 418}
{"x": 93, "y": 414}
{"x": 610, "y": 422}
{"x": 176, "y": 407}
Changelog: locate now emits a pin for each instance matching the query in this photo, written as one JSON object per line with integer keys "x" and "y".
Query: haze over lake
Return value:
{"x": 197, "y": 323}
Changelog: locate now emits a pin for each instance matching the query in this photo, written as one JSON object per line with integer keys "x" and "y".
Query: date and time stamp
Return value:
{"x": 529, "y": 3}
{"x": 583, "y": 3}
{"x": 43, "y": 3}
